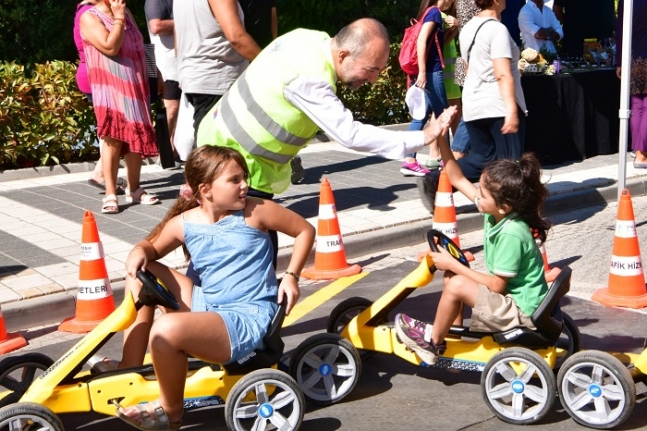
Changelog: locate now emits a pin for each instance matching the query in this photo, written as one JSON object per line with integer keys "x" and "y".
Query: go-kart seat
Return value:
{"x": 268, "y": 356}
{"x": 547, "y": 318}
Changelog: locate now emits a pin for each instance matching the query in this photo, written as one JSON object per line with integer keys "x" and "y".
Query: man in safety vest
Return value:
{"x": 289, "y": 92}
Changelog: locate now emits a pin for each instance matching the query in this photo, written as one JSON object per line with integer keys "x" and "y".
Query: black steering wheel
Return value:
{"x": 436, "y": 238}
{"x": 154, "y": 292}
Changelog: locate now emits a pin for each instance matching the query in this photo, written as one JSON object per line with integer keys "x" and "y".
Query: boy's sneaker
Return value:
{"x": 413, "y": 169}
{"x": 416, "y": 335}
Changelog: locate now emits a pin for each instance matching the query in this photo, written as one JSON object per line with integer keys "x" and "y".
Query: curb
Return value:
{"x": 52, "y": 309}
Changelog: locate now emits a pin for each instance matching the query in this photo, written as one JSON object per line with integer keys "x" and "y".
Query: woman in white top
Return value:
{"x": 494, "y": 108}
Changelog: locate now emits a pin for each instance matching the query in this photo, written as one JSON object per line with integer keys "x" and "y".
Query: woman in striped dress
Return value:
{"x": 114, "y": 53}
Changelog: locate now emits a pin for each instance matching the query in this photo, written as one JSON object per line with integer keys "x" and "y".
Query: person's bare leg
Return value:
{"x": 172, "y": 108}
{"x": 458, "y": 321}
{"x": 136, "y": 337}
{"x": 134, "y": 170}
{"x": 457, "y": 291}
{"x": 110, "y": 151}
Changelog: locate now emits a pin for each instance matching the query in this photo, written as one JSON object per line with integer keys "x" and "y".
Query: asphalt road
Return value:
{"x": 393, "y": 394}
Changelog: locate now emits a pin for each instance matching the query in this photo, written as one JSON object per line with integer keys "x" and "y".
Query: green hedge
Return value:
{"x": 44, "y": 119}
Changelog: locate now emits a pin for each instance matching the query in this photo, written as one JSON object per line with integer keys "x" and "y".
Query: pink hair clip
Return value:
{"x": 185, "y": 192}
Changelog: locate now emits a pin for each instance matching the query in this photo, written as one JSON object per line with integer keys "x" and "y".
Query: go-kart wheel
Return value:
{"x": 568, "y": 342}
{"x": 18, "y": 372}
{"x": 154, "y": 292}
{"x": 437, "y": 238}
{"x": 343, "y": 313}
{"x": 596, "y": 389}
{"x": 264, "y": 398}
{"x": 327, "y": 367}
{"x": 29, "y": 416}
{"x": 518, "y": 386}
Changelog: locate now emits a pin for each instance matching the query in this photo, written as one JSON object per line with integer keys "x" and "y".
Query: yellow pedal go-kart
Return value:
{"x": 255, "y": 393}
{"x": 598, "y": 389}
{"x": 518, "y": 381}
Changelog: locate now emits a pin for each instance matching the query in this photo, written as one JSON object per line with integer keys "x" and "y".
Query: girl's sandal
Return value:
{"x": 157, "y": 421}
{"x": 140, "y": 196}
{"x": 110, "y": 205}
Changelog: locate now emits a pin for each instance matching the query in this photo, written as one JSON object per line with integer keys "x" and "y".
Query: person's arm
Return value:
{"x": 451, "y": 33}
{"x": 107, "y": 42}
{"x": 275, "y": 24}
{"x": 503, "y": 75}
{"x": 161, "y": 27}
{"x": 317, "y": 99}
{"x": 556, "y": 26}
{"x": 528, "y": 26}
{"x": 226, "y": 13}
{"x": 269, "y": 215}
{"x": 422, "y": 42}
{"x": 170, "y": 238}
{"x": 444, "y": 261}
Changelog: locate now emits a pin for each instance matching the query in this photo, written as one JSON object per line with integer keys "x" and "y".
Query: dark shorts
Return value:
{"x": 172, "y": 90}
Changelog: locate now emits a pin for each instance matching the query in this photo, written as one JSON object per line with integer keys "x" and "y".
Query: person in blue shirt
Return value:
{"x": 225, "y": 232}
{"x": 430, "y": 78}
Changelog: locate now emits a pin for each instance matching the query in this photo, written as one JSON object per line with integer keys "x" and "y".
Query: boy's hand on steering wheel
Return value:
{"x": 443, "y": 260}
{"x": 289, "y": 289}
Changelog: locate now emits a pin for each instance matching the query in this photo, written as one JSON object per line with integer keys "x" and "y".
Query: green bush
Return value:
{"x": 44, "y": 119}
{"x": 383, "y": 102}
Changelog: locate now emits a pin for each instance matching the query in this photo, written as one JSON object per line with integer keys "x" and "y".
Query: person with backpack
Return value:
{"x": 429, "y": 51}
{"x": 494, "y": 108}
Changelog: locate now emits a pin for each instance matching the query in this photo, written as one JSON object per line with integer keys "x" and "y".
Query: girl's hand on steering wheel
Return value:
{"x": 137, "y": 260}
{"x": 443, "y": 260}
{"x": 289, "y": 289}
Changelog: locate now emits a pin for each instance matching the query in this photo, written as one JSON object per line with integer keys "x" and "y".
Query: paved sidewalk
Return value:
{"x": 41, "y": 216}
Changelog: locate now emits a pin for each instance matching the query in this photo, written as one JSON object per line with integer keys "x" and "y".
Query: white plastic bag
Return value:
{"x": 184, "y": 139}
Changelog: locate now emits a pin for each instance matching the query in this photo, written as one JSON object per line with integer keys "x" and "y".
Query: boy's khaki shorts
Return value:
{"x": 494, "y": 312}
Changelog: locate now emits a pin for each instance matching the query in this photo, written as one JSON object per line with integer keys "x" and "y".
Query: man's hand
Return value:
{"x": 510, "y": 124}
{"x": 289, "y": 289}
{"x": 440, "y": 125}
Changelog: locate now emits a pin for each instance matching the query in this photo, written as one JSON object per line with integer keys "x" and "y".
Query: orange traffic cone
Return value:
{"x": 626, "y": 277}
{"x": 445, "y": 214}
{"x": 550, "y": 273}
{"x": 9, "y": 342}
{"x": 94, "y": 300}
{"x": 330, "y": 257}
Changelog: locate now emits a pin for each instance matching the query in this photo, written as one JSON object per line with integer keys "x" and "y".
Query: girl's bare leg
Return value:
{"x": 458, "y": 290}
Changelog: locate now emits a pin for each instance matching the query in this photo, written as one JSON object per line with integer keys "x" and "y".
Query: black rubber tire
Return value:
{"x": 285, "y": 402}
{"x": 344, "y": 313}
{"x": 543, "y": 386}
{"x": 580, "y": 368}
{"x": 317, "y": 349}
{"x": 31, "y": 363}
{"x": 569, "y": 341}
{"x": 32, "y": 412}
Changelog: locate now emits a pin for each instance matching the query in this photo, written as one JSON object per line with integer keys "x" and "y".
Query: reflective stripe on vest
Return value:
{"x": 242, "y": 137}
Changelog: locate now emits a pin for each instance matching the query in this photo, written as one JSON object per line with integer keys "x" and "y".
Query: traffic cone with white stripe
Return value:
{"x": 626, "y": 278}
{"x": 445, "y": 214}
{"x": 94, "y": 301}
{"x": 330, "y": 256}
{"x": 9, "y": 342}
{"x": 550, "y": 273}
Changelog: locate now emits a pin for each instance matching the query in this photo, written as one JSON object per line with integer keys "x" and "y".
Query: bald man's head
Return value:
{"x": 360, "y": 51}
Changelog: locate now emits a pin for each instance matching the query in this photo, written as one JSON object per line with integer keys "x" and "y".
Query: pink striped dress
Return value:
{"x": 120, "y": 90}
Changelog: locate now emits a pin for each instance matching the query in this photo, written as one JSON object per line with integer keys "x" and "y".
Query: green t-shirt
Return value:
{"x": 511, "y": 251}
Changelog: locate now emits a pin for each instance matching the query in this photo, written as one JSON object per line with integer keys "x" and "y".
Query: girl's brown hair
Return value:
{"x": 203, "y": 166}
{"x": 517, "y": 183}
{"x": 424, "y": 4}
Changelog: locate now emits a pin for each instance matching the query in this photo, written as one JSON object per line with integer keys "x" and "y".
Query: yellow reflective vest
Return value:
{"x": 253, "y": 116}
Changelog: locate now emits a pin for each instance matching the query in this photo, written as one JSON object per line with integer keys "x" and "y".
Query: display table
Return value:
{"x": 572, "y": 116}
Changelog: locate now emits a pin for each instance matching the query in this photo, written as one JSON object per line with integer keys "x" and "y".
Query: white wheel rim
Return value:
{"x": 518, "y": 392}
{"x": 20, "y": 421}
{"x": 326, "y": 372}
{"x": 593, "y": 393}
{"x": 267, "y": 409}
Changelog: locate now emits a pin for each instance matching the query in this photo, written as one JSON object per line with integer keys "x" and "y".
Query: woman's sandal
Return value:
{"x": 110, "y": 205}
{"x": 140, "y": 196}
{"x": 157, "y": 421}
